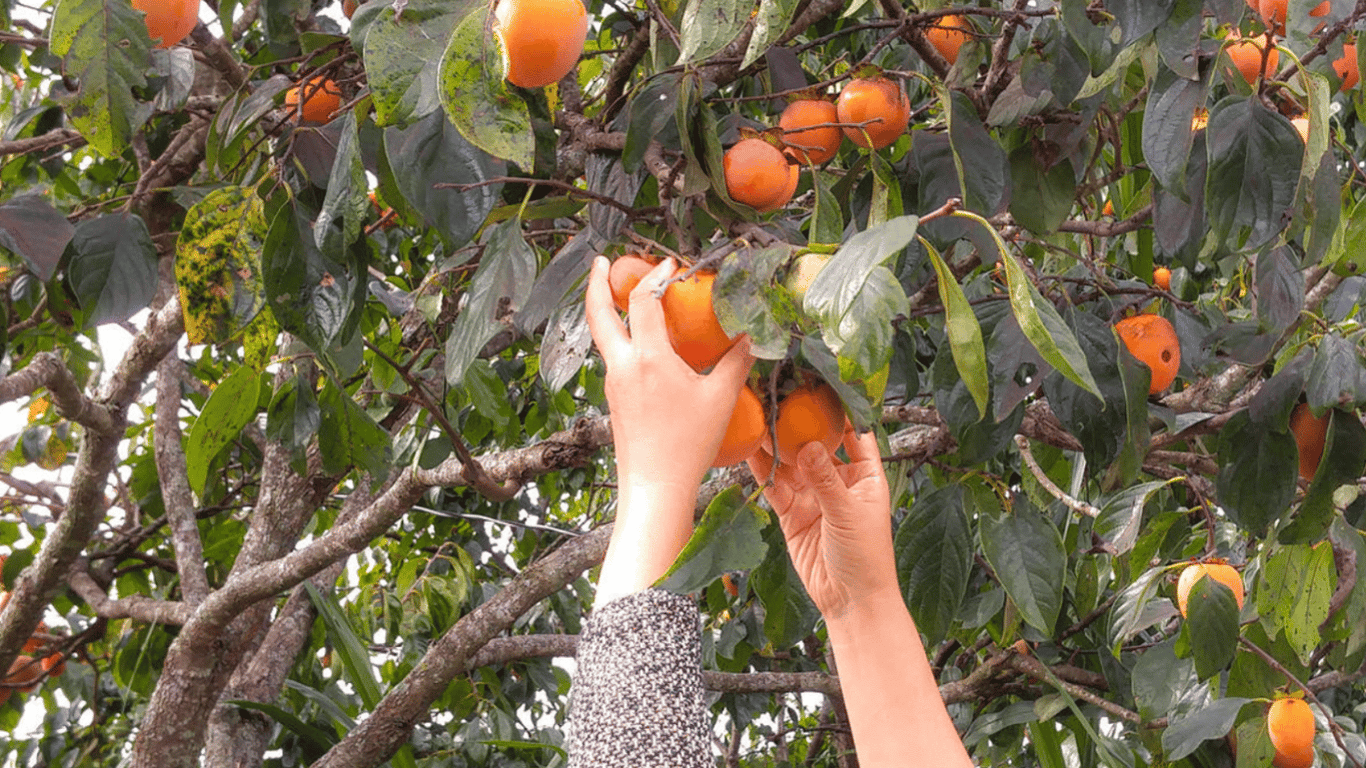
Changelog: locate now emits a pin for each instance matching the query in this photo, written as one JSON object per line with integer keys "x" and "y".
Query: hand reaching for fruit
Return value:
{"x": 667, "y": 419}
{"x": 837, "y": 520}
{"x": 667, "y": 422}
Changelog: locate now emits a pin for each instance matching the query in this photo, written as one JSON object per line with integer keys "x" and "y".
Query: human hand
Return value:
{"x": 667, "y": 419}
{"x": 837, "y": 521}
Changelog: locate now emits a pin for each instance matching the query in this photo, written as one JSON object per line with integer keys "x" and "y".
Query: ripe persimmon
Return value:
{"x": 1346, "y": 67}
{"x": 169, "y": 20}
{"x": 1310, "y": 433}
{"x": 1162, "y": 278}
{"x": 947, "y": 35}
{"x": 541, "y": 39}
{"x": 1272, "y": 12}
{"x": 744, "y": 431}
{"x": 54, "y": 665}
{"x": 320, "y": 96}
{"x": 1246, "y": 55}
{"x": 694, "y": 331}
{"x": 759, "y": 175}
{"x": 809, "y": 413}
{"x": 1220, "y": 572}
{"x": 878, "y": 105}
{"x": 25, "y": 672}
{"x": 811, "y": 145}
{"x": 1153, "y": 340}
{"x": 1290, "y": 724}
{"x": 623, "y": 277}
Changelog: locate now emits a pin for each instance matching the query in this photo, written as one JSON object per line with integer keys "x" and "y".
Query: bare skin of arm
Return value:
{"x": 667, "y": 423}
{"x": 836, "y": 518}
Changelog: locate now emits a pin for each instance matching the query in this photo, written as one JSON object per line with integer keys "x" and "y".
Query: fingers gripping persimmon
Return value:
{"x": 809, "y": 413}
{"x": 623, "y": 278}
{"x": 694, "y": 331}
{"x": 876, "y": 108}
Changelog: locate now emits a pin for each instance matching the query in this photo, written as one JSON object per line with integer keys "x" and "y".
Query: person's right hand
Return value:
{"x": 837, "y": 521}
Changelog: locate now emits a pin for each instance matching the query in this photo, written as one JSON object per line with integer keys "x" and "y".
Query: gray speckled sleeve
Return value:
{"x": 637, "y": 697}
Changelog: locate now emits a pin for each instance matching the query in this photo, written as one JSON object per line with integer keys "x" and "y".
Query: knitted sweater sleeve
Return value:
{"x": 637, "y": 696}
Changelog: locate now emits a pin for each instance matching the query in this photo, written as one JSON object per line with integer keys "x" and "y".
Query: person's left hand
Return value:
{"x": 667, "y": 419}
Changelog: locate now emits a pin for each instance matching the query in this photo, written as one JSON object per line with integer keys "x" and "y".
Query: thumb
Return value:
{"x": 819, "y": 469}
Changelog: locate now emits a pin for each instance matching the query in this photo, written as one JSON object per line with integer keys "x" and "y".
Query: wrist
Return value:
{"x": 872, "y": 609}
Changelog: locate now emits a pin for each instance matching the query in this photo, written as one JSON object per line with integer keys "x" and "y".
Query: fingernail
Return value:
{"x": 601, "y": 262}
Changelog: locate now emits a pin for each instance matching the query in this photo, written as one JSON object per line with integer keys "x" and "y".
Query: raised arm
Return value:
{"x": 836, "y": 518}
{"x": 637, "y": 693}
{"x": 667, "y": 422}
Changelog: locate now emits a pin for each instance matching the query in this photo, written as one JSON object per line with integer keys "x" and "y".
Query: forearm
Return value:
{"x": 652, "y": 526}
{"x": 897, "y": 715}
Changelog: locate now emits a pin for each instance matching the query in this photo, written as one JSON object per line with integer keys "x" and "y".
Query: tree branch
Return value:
{"x": 175, "y": 484}
{"x": 47, "y": 370}
{"x": 137, "y": 607}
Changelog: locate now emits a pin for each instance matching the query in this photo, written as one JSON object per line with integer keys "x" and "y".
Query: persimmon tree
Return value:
{"x": 339, "y": 500}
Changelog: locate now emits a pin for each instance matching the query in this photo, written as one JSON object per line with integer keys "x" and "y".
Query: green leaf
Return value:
{"x": 479, "y": 101}
{"x": 1099, "y": 424}
{"x": 983, "y": 168}
{"x": 114, "y": 268}
{"x": 770, "y": 22}
{"x": 293, "y": 419}
{"x": 1293, "y": 593}
{"x": 355, "y": 656}
{"x": 1212, "y": 621}
{"x": 708, "y": 25}
{"x": 827, "y": 220}
{"x": 650, "y": 112}
{"x": 499, "y": 288}
{"x": 33, "y": 230}
{"x": 403, "y": 56}
{"x": 837, "y": 285}
{"x": 1167, "y": 134}
{"x": 1041, "y": 196}
{"x": 934, "y": 551}
{"x": 1026, "y": 552}
{"x": 1254, "y": 165}
{"x": 231, "y": 127}
{"x": 1161, "y": 680}
{"x": 1039, "y": 320}
{"x": 311, "y": 295}
{"x": 728, "y": 538}
{"x": 789, "y": 614}
{"x": 218, "y": 264}
{"x": 1212, "y": 721}
{"x": 105, "y": 49}
{"x": 1257, "y": 471}
{"x": 347, "y": 436}
{"x": 347, "y": 189}
{"x": 742, "y": 296}
{"x": 964, "y": 332}
{"x": 314, "y": 738}
{"x": 1137, "y": 607}
{"x": 432, "y": 152}
{"x": 1121, "y": 514}
{"x": 230, "y": 407}
{"x": 1337, "y": 376}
